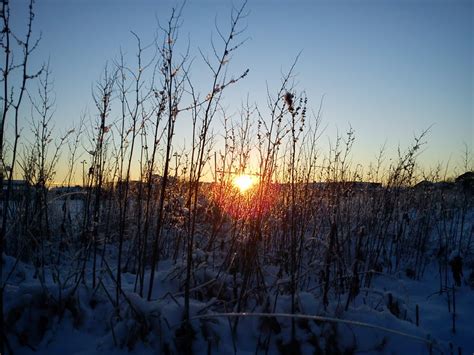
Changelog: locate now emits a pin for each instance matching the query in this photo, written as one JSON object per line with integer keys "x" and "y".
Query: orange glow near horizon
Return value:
{"x": 244, "y": 197}
{"x": 243, "y": 182}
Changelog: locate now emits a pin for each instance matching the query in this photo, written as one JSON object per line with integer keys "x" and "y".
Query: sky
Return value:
{"x": 388, "y": 69}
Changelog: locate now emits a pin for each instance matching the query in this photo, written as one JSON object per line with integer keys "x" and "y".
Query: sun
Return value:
{"x": 243, "y": 182}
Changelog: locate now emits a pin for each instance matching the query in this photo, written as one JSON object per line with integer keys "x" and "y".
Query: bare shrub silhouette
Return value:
{"x": 158, "y": 229}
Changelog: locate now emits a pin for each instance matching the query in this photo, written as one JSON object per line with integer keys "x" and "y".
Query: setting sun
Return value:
{"x": 243, "y": 182}
{"x": 309, "y": 190}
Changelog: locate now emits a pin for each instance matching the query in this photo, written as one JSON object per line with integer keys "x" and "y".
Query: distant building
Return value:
{"x": 19, "y": 191}
{"x": 69, "y": 192}
{"x": 348, "y": 185}
{"x": 17, "y": 185}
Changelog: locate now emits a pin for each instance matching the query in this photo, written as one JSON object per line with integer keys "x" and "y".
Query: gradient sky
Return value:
{"x": 390, "y": 69}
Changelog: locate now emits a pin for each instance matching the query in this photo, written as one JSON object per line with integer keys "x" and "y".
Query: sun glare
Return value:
{"x": 243, "y": 182}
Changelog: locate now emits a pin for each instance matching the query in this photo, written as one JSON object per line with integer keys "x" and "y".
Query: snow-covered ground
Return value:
{"x": 42, "y": 318}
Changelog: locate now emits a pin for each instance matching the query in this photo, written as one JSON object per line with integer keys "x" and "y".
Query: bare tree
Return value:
{"x": 173, "y": 88}
{"x": 11, "y": 97}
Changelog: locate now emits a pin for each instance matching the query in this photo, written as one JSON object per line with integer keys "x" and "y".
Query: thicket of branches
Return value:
{"x": 309, "y": 224}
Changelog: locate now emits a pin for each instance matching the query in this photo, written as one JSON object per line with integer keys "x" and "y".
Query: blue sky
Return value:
{"x": 390, "y": 69}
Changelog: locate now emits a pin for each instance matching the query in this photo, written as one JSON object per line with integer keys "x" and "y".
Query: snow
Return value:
{"x": 52, "y": 313}
{"x": 89, "y": 324}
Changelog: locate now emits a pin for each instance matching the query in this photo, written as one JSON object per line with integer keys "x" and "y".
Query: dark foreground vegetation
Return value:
{"x": 147, "y": 255}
